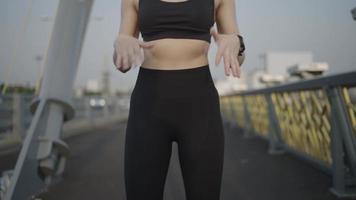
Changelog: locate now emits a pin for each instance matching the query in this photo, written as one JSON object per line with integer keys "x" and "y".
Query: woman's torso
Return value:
{"x": 176, "y": 53}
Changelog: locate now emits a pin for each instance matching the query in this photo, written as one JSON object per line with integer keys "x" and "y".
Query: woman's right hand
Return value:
{"x": 127, "y": 52}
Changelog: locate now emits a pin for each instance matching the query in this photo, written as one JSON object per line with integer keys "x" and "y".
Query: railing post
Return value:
{"x": 343, "y": 148}
{"x": 106, "y": 106}
{"x": 18, "y": 116}
{"x": 88, "y": 110}
{"x": 222, "y": 101}
{"x": 233, "y": 115}
{"x": 275, "y": 145}
{"x": 228, "y": 112}
{"x": 116, "y": 104}
{"x": 248, "y": 130}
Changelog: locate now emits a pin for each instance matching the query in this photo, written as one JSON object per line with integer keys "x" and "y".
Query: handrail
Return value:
{"x": 313, "y": 119}
{"x": 346, "y": 78}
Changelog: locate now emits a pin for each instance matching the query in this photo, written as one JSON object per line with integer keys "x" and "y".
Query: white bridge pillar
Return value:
{"x": 43, "y": 154}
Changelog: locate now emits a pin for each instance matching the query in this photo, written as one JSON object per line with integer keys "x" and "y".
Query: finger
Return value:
{"x": 124, "y": 60}
{"x": 236, "y": 61}
{"x": 134, "y": 61}
{"x": 226, "y": 64}
{"x": 125, "y": 70}
{"x": 146, "y": 44}
{"x": 137, "y": 56}
{"x": 227, "y": 70}
{"x": 233, "y": 64}
{"x": 219, "y": 55}
{"x": 237, "y": 64}
{"x": 238, "y": 68}
{"x": 128, "y": 54}
{"x": 131, "y": 52}
{"x": 118, "y": 61}
{"x": 121, "y": 62}
{"x": 238, "y": 72}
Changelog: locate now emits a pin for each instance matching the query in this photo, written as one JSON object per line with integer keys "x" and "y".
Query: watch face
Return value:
{"x": 242, "y": 42}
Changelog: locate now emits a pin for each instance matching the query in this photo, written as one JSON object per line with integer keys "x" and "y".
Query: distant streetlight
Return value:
{"x": 39, "y": 59}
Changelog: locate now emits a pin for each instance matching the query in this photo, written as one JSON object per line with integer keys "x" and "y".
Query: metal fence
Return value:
{"x": 14, "y": 110}
{"x": 15, "y": 115}
{"x": 43, "y": 152}
{"x": 312, "y": 119}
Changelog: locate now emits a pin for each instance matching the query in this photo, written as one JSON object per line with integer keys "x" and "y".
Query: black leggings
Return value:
{"x": 180, "y": 105}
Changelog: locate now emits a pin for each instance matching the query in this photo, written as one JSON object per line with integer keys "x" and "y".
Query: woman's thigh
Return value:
{"x": 147, "y": 154}
{"x": 201, "y": 150}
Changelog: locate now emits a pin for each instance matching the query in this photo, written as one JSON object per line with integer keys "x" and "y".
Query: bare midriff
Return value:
{"x": 176, "y": 53}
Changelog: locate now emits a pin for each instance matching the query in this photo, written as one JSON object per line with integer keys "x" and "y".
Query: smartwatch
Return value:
{"x": 242, "y": 45}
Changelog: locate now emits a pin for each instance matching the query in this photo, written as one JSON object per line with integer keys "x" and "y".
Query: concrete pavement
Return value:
{"x": 95, "y": 171}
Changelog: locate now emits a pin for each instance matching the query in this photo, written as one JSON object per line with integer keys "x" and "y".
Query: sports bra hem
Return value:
{"x": 206, "y": 36}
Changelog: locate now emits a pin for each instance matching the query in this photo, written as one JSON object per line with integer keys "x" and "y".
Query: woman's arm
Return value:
{"x": 128, "y": 23}
{"x": 226, "y": 38}
{"x": 127, "y": 52}
{"x": 226, "y": 17}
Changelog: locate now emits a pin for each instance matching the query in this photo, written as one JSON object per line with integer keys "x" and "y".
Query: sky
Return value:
{"x": 324, "y": 27}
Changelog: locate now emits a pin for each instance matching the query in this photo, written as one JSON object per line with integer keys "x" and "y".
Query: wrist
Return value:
{"x": 123, "y": 35}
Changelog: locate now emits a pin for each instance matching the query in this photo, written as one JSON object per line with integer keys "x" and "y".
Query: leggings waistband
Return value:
{"x": 175, "y": 83}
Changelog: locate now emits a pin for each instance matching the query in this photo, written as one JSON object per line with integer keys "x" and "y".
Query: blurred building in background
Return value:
{"x": 278, "y": 67}
{"x": 306, "y": 71}
{"x": 276, "y": 62}
{"x": 275, "y": 67}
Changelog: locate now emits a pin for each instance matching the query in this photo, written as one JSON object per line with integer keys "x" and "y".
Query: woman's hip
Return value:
{"x": 174, "y": 84}
{"x": 171, "y": 93}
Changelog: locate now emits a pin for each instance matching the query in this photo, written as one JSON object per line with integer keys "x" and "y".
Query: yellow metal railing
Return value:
{"x": 350, "y": 106}
{"x": 313, "y": 119}
{"x": 237, "y": 106}
{"x": 258, "y": 110}
{"x": 304, "y": 119}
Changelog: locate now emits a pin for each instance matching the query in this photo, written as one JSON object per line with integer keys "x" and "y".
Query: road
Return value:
{"x": 95, "y": 171}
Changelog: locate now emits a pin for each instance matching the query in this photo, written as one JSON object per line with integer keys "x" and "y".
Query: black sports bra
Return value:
{"x": 184, "y": 19}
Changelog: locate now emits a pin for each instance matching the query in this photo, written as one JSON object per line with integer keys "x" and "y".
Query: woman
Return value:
{"x": 174, "y": 98}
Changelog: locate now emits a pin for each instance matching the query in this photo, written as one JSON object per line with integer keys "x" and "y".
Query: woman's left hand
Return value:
{"x": 228, "y": 47}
